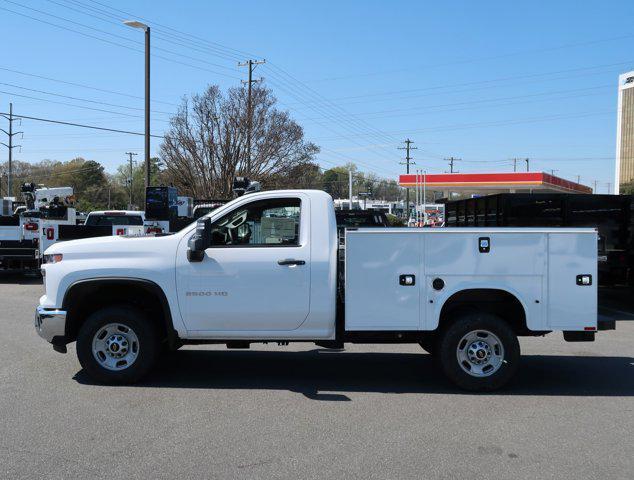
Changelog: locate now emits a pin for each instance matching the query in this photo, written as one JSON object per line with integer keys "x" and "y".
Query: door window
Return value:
{"x": 265, "y": 223}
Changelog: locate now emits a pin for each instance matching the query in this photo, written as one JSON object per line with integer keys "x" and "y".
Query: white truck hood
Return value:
{"x": 100, "y": 246}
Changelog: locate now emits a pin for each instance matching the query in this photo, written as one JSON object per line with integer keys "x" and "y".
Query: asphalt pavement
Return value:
{"x": 302, "y": 412}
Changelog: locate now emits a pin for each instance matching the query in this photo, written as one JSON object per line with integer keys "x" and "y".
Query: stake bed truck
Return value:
{"x": 265, "y": 267}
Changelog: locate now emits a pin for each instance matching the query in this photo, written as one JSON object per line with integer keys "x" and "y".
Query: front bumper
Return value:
{"x": 50, "y": 324}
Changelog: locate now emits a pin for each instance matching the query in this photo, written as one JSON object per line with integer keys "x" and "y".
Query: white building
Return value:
{"x": 624, "y": 170}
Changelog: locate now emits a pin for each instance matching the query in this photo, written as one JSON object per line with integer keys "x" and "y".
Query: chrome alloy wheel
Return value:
{"x": 115, "y": 346}
{"x": 480, "y": 353}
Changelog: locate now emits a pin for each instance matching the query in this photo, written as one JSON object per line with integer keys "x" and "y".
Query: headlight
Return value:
{"x": 52, "y": 258}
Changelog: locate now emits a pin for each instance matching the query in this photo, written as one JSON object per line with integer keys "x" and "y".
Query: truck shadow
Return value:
{"x": 328, "y": 376}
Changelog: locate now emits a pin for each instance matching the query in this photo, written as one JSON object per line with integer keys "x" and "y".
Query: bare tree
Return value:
{"x": 205, "y": 146}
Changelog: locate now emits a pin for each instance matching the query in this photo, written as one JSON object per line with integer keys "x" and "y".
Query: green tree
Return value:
{"x": 335, "y": 180}
{"x": 627, "y": 189}
{"x": 122, "y": 179}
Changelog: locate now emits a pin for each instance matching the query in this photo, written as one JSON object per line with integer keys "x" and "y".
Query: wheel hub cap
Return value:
{"x": 115, "y": 346}
{"x": 480, "y": 353}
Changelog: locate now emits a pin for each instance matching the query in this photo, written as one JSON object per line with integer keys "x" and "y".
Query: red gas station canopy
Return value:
{"x": 494, "y": 181}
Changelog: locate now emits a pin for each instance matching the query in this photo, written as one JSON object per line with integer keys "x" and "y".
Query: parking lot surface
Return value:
{"x": 303, "y": 412}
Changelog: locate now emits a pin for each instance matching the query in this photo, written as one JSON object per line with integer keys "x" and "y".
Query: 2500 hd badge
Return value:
{"x": 206, "y": 293}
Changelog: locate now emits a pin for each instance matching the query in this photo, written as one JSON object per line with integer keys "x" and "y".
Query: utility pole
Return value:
{"x": 408, "y": 148}
{"x": 251, "y": 64}
{"x": 609, "y": 187}
{"x": 130, "y": 179}
{"x": 595, "y": 187}
{"x": 578, "y": 179}
{"x": 10, "y": 134}
{"x": 350, "y": 187}
{"x": 424, "y": 196}
{"x": 451, "y": 161}
{"x": 527, "y": 164}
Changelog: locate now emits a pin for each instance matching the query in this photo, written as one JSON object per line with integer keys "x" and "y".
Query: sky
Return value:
{"x": 484, "y": 82}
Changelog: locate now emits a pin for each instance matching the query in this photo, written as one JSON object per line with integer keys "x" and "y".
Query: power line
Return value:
{"x": 474, "y": 60}
{"x": 75, "y": 106}
{"x": 237, "y": 53}
{"x": 496, "y": 123}
{"x": 97, "y": 102}
{"x": 118, "y": 36}
{"x": 475, "y": 104}
{"x": 118, "y": 22}
{"x": 215, "y": 48}
{"x": 72, "y": 124}
{"x": 101, "y": 39}
{"x": 110, "y": 18}
{"x": 495, "y": 99}
{"x": 82, "y": 85}
{"x": 512, "y": 78}
{"x": 347, "y": 117}
{"x": 95, "y": 37}
{"x": 39, "y": 175}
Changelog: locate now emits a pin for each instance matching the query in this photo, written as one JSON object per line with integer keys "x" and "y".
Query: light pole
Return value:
{"x": 146, "y": 29}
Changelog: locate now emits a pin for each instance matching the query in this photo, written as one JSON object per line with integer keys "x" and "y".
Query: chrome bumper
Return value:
{"x": 50, "y": 324}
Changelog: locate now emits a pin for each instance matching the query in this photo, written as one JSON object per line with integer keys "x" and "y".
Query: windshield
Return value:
{"x": 109, "y": 220}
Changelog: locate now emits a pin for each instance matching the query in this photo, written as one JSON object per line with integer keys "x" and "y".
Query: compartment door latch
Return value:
{"x": 407, "y": 280}
{"x": 484, "y": 244}
{"x": 584, "y": 280}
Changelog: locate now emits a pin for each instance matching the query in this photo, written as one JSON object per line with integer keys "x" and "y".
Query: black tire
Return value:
{"x": 148, "y": 345}
{"x": 448, "y": 351}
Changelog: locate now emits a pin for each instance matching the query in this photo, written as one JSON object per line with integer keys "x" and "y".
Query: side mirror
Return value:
{"x": 199, "y": 241}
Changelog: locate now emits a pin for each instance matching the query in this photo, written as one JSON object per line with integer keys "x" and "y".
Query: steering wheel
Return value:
{"x": 238, "y": 220}
{"x": 232, "y": 225}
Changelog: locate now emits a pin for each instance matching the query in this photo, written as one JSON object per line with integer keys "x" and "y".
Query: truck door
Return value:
{"x": 256, "y": 273}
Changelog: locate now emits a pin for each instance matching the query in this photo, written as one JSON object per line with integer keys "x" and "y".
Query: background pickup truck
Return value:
{"x": 265, "y": 267}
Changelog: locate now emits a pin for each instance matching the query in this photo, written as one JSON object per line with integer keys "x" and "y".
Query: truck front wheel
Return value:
{"x": 479, "y": 352}
{"x": 117, "y": 345}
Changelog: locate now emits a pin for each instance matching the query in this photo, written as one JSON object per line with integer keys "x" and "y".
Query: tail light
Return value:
{"x": 30, "y": 226}
{"x": 154, "y": 230}
{"x": 50, "y": 234}
{"x": 120, "y": 231}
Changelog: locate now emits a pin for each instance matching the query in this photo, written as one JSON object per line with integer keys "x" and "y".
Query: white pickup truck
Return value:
{"x": 265, "y": 267}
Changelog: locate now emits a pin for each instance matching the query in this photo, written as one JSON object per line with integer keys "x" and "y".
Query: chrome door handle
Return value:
{"x": 290, "y": 261}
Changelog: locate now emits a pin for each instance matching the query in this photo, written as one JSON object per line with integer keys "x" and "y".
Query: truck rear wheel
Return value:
{"x": 479, "y": 352}
{"x": 117, "y": 345}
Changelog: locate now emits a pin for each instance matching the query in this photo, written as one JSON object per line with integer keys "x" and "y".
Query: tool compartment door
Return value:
{"x": 379, "y": 296}
{"x": 571, "y": 304}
